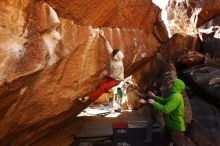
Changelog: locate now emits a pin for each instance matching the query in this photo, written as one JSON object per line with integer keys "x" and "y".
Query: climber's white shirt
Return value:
{"x": 117, "y": 68}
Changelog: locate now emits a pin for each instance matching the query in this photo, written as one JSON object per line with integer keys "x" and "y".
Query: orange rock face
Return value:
{"x": 51, "y": 53}
{"x": 137, "y": 14}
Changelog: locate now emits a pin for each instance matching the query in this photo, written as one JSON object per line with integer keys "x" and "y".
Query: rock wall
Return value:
{"x": 186, "y": 15}
{"x": 197, "y": 17}
{"x": 51, "y": 53}
{"x": 203, "y": 79}
{"x": 204, "y": 129}
{"x": 182, "y": 50}
{"x": 210, "y": 34}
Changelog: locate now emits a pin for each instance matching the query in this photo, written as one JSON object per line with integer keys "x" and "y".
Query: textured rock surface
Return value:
{"x": 205, "y": 129}
{"x": 178, "y": 46}
{"x": 198, "y": 17}
{"x": 190, "y": 59}
{"x": 149, "y": 71}
{"x": 158, "y": 30}
{"x": 210, "y": 34}
{"x": 137, "y": 14}
{"x": 206, "y": 80}
{"x": 48, "y": 59}
{"x": 185, "y": 15}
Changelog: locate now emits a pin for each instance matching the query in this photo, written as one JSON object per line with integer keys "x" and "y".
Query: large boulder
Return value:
{"x": 126, "y": 14}
{"x": 190, "y": 59}
{"x": 198, "y": 17}
{"x": 205, "y": 128}
{"x": 159, "y": 28}
{"x": 186, "y": 15}
{"x": 147, "y": 72}
{"x": 210, "y": 35}
{"x": 52, "y": 54}
{"x": 178, "y": 46}
{"x": 206, "y": 81}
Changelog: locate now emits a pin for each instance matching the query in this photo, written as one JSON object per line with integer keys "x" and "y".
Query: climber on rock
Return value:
{"x": 116, "y": 72}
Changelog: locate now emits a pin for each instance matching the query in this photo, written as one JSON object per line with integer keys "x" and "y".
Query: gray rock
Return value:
{"x": 205, "y": 128}
{"x": 204, "y": 80}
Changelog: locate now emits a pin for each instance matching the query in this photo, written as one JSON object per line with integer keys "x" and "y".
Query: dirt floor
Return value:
{"x": 65, "y": 135}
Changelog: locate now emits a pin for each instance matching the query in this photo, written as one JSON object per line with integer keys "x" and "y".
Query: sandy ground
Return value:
{"x": 65, "y": 135}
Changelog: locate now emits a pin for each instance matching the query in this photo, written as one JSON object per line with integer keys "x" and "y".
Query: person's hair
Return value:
{"x": 118, "y": 88}
{"x": 114, "y": 52}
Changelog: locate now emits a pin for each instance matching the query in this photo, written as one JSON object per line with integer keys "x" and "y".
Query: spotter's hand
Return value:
{"x": 142, "y": 101}
{"x": 151, "y": 101}
{"x": 150, "y": 94}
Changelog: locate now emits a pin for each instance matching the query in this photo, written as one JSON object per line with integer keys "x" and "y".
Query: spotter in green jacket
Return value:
{"x": 173, "y": 106}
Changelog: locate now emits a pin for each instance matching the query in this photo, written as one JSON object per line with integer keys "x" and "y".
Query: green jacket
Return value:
{"x": 173, "y": 106}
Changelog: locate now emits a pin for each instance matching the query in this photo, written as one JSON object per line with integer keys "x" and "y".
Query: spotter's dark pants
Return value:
{"x": 171, "y": 135}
